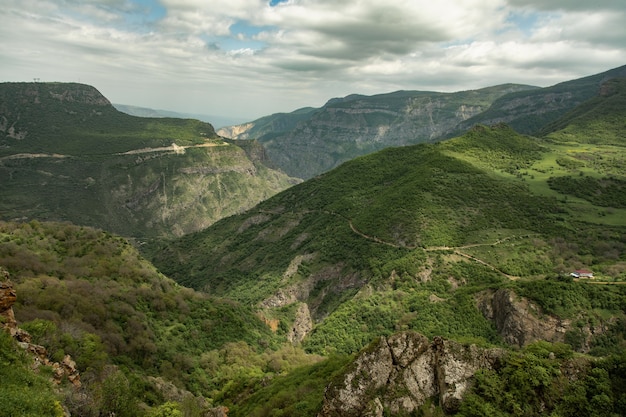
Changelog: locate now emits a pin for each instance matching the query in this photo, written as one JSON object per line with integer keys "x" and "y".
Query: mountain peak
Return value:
{"x": 51, "y": 93}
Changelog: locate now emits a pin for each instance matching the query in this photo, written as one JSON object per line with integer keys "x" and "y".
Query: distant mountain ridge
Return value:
{"x": 308, "y": 142}
{"x": 531, "y": 111}
{"x": 217, "y": 121}
{"x": 66, "y": 154}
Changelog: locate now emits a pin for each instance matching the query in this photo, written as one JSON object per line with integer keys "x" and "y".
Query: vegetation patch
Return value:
{"x": 605, "y": 192}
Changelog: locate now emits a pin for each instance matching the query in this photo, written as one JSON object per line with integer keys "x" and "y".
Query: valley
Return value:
{"x": 186, "y": 274}
{"x": 80, "y": 160}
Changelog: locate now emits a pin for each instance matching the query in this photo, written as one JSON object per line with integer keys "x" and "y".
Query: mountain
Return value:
{"x": 138, "y": 339}
{"x": 597, "y": 121}
{"x": 472, "y": 239}
{"x": 67, "y": 154}
{"x": 310, "y": 141}
{"x": 410, "y": 236}
{"x": 532, "y": 111}
{"x": 217, "y": 121}
{"x": 431, "y": 279}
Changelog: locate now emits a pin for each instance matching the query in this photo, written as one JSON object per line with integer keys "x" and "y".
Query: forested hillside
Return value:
{"x": 66, "y": 154}
{"x": 139, "y": 340}
{"x": 472, "y": 239}
{"x": 479, "y": 276}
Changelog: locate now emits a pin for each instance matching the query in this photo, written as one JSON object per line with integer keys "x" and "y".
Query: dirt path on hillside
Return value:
{"x": 172, "y": 148}
{"x": 455, "y": 249}
{"x": 33, "y": 155}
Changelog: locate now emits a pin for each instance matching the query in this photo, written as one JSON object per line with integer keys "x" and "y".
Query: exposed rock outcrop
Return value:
{"x": 302, "y": 325}
{"x": 310, "y": 141}
{"x": 518, "y": 320}
{"x": 400, "y": 373}
{"x": 8, "y": 296}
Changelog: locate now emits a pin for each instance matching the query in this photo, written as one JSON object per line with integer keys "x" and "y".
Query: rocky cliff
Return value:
{"x": 399, "y": 374}
{"x": 66, "y": 154}
{"x": 308, "y": 142}
{"x": 520, "y": 321}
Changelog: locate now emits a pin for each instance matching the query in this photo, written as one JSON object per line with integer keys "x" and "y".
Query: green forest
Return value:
{"x": 471, "y": 239}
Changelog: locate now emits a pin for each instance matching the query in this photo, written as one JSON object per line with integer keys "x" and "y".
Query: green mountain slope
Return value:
{"x": 136, "y": 336}
{"x": 67, "y": 154}
{"x": 24, "y": 392}
{"x": 310, "y": 141}
{"x": 471, "y": 239}
{"x": 419, "y": 220}
{"x": 531, "y": 111}
{"x": 598, "y": 120}
{"x": 447, "y": 239}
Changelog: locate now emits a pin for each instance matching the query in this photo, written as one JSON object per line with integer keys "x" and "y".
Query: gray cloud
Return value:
{"x": 311, "y": 50}
{"x": 569, "y": 5}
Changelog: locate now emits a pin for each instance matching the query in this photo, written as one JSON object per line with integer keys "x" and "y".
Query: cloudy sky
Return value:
{"x": 249, "y": 58}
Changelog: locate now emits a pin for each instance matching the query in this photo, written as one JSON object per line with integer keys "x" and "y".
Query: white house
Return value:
{"x": 582, "y": 273}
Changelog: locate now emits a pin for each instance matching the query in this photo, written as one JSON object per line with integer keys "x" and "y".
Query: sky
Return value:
{"x": 249, "y": 58}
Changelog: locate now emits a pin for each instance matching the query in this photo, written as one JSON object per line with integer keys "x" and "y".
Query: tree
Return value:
{"x": 169, "y": 409}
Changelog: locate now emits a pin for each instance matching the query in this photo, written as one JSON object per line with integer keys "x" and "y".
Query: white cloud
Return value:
{"x": 244, "y": 57}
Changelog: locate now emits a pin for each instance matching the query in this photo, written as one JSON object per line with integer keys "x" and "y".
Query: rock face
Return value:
{"x": 519, "y": 321}
{"x": 7, "y": 299}
{"x": 302, "y": 325}
{"x": 400, "y": 373}
{"x": 311, "y": 141}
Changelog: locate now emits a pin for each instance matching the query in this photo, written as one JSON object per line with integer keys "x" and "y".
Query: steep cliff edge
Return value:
{"x": 401, "y": 373}
{"x": 308, "y": 142}
{"x": 66, "y": 154}
{"x": 520, "y": 321}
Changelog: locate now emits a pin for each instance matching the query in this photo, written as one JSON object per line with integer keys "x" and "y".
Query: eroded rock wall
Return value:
{"x": 400, "y": 373}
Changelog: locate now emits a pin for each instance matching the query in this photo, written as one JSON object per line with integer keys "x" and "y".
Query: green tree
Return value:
{"x": 117, "y": 397}
{"x": 168, "y": 409}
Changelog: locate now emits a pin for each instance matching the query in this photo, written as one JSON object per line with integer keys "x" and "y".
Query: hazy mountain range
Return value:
{"x": 216, "y": 121}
